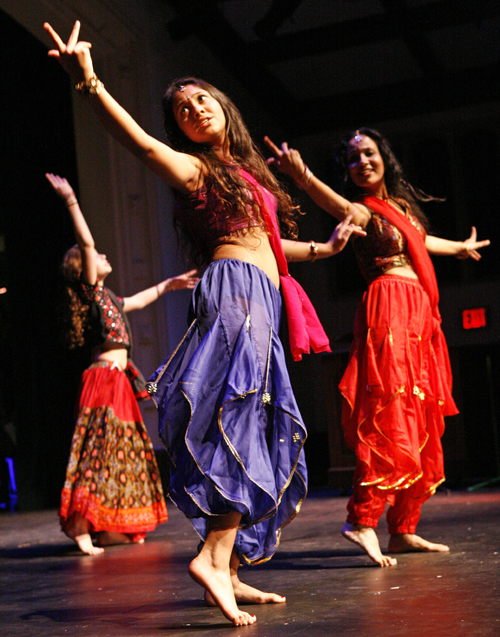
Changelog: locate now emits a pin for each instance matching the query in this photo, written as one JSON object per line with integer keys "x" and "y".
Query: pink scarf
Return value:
{"x": 416, "y": 247}
{"x": 304, "y": 328}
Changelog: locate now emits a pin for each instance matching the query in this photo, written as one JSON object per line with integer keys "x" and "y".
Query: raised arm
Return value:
{"x": 83, "y": 235}
{"x": 301, "y": 251}
{"x": 179, "y": 170}
{"x": 288, "y": 161}
{"x": 186, "y": 281}
{"x": 459, "y": 249}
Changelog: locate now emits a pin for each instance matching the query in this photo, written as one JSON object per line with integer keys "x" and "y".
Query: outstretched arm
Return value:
{"x": 459, "y": 249}
{"x": 83, "y": 235}
{"x": 179, "y": 170}
{"x": 186, "y": 281}
{"x": 301, "y": 251}
{"x": 288, "y": 161}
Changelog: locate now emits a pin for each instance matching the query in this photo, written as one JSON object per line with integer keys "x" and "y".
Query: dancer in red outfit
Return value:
{"x": 112, "y": 489}
{"x": 397, "y": 386}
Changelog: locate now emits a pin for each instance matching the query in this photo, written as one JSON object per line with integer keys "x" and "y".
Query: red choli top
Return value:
{"x": 384, "y": 246}
{"x": 202, "y": 214}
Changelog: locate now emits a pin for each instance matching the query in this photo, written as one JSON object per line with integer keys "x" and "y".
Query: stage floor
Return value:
{"x": 49, "y": 589}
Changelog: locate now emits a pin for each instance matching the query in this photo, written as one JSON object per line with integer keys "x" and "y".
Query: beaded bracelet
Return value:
{"x": 92, "y": 86}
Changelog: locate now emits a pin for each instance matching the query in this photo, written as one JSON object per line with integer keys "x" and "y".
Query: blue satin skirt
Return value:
{"x": 227, "y": 413}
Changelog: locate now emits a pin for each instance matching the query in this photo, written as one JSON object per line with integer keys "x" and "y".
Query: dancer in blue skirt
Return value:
{"x": 228, "y": 416}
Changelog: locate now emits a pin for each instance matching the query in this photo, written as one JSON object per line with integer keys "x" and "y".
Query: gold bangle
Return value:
{"x": 313, "y": 251}
{"x": 92, "y": 86}
{"x": 71, "y": 202}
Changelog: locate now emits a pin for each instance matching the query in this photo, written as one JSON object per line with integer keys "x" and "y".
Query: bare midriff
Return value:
{"x": 112, "y": 352}
{"x": 402, "y": 270}
{"x": 252, "y": 246}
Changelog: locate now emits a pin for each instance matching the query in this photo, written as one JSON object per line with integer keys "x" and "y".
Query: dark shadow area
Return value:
{"x": 38, "y": 379}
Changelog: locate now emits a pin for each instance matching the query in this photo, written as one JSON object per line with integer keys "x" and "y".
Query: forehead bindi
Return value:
{"x": 182, "y": 98}
{"x": 366, "y": 143}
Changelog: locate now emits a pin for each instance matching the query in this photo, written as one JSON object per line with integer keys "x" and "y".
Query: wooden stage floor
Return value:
{"x": 49, "y": 589}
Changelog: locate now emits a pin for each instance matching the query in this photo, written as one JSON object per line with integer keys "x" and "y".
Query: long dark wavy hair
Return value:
{"x": 73, "y": 311}
{"x": 398, "y": 188}
{"x": 232, "y": 189}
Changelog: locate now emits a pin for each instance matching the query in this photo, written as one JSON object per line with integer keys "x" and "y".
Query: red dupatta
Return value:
{"x": 421, "y": 260}
{"x": 304, "y": 328}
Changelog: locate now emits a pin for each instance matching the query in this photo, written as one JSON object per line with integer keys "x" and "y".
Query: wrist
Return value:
{"x": 463, "y": 250}
{"x": 304, "y": 181}
{"x": 90, "y": 86}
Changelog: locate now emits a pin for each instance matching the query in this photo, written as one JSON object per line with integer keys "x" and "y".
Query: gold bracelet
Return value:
{"x": 313, "y": 251}
{"x": 71, "y": 202}
{"x": 92, "y": 86}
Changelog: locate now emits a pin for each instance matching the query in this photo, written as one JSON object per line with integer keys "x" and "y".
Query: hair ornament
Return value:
{"x": 357, "y": 137}
{"x": 182, "y": 88}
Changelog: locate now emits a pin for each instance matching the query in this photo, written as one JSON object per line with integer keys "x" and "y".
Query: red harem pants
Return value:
{"x": 397, "y": 390}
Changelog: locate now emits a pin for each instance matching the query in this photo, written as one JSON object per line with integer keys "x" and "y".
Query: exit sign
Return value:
{"x": 473, "y": 319}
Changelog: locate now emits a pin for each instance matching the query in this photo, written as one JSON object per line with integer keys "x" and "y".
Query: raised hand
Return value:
{"x": 343, "y": 232}
{"x": 471, "y": 246}
{"x": 74, "y": 56}
{"x": 286, "y": 160}
{"x": 61, "y": 186}
{"x": 186, "y": 281}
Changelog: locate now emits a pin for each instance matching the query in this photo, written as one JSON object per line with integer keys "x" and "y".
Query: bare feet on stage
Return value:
{"x": 409, "y": 543}
{"x": 366, "y": 538}
{"x": 243, "y": 593}
{"x": 77, "y": 528}
{"x": 85, "y": 545}
{"x": 217, "y": 583}
{"x": 211, "y": 567}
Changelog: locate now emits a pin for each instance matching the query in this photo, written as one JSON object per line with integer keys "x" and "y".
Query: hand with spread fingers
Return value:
{"x": 286, "y": 160}
{"x": 74, "y": 56}
{"x": 343, "y": 232}
{"x": 186, "y": 281}
{"x": 471, "y": 246}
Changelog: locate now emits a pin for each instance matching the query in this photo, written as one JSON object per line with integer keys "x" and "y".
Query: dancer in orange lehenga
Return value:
{"x": 112, "y": 490}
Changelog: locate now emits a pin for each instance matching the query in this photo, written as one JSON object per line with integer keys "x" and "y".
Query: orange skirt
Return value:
{"x": 397, "y": 388}
{"x": 112, "y": 478}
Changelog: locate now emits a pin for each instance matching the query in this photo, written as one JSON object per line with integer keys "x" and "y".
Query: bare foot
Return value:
{"x": 217, "y": 583}
{"x": 245, "y": 594}
{"x": 366, "y": 538}
{"x": 85, "y": 545}
{"x": 77, "y": 528}
{"x": 409, "y": 542}
{"x": 108, "y": 538}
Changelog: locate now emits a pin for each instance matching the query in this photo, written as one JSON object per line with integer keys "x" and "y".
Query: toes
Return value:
{"x": 245, "y": 619}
